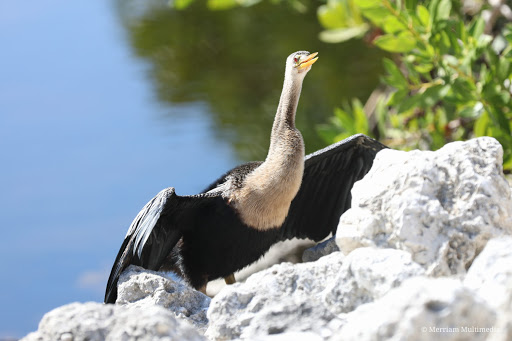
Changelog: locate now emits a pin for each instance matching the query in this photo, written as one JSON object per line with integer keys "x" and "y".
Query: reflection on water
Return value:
{"x": 234, "y": 61}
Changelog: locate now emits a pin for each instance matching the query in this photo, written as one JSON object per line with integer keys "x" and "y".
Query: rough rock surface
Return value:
{"x": 309, "y": 296}
{"x": 96, "y": 322}
{"x": 442, "y": 207}
{"x": 490, "y": 276}
{"x": 233, "y": 310}
{"x": 144, "y": 288}
{"x": 415, "y": 218}
{"x": 420, "y": 309}
{"x": 367, "y": 274}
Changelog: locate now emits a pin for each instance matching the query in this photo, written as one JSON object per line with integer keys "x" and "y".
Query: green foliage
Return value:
{"x": 343, "y": 21}
{"x": 447, "y": 80}
{"x": 344, "y": 124}
{"x": 298, "y": 5}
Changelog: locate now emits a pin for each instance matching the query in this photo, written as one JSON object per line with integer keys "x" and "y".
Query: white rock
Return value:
{"x": 441, "y": 206}
{"x": 367, "y": 274}
{"x": 143, "y": 288}
{"x": 415, "y": 214}
{"x": 490, "y": 276}
{"x": 290, "y": 336}
{"x": 307, "y": 297}
{"x": 97, "y": 322}
{"x": 285, "y": 251}
{"x": 420, "y": 309}
{"x": 244, "y": 309}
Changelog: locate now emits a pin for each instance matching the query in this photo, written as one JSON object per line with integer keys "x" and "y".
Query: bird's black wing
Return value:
{"x": 153, "y": 234}
{"x": 324, "y": 195}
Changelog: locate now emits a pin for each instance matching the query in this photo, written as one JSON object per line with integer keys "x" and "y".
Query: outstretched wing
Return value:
{"x": 324, "y": 195}
{"x": 153, "y": 234}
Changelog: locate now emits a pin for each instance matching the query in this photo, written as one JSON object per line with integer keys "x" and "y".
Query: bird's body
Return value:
{"x": 220, "y": 245}
{"x": 241, "y": 215}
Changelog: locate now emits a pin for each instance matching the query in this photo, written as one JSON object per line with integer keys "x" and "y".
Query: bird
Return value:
{"x": 236, "y": 219}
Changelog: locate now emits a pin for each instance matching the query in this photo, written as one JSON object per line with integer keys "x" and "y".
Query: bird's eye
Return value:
{"x": 296, "y": 59}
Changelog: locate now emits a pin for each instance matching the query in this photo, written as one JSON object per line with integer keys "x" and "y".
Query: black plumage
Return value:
{"x": 247, "y": 210}
{"x": 209, "y": 240}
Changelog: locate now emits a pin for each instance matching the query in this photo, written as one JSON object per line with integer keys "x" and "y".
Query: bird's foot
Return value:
{"x": 230, "y": 279}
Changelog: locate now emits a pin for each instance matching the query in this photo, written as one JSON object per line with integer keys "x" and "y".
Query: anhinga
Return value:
{"x": 240, "y": 216}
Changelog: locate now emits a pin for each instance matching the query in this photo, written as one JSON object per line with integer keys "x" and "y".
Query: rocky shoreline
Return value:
{"x": 424, "y": 253}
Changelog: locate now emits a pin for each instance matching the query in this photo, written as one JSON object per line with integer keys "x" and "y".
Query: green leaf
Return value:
{"x": 499, "y": 117}
{"x": 346, "y": 121}
{"x": 392, "y": 25}
{"x": 507, "y": 33}
{"x": 298, "y": 6}
{"x": 404, "y": 42}
{"x": 397, "y": 97}
{"x": 507, "y": 163}
{"x": 477, "y": 27}
{"x": 221, "y": 4}
{"x": 332, "y": 15}
{"x": 376, "y": 15}
{"x": 503, "y": 70}
{"x": 360, "y": 119}
{"x": 460, "y": 32}
{"x": 481, "y": 124}
{"x": 408, "y": 103}
{"x": 343, "y": 34}
{"x": 432, "y": 8}
{"x": 368, "y": 3}
{"x": 394, "y": 76}
{"x": 443, "y": 10}
{"x": 423, "y": 15}
{"x": 444, "y": 42}
{"x": 433, "y": 94}
{"x": 411, "y": 4}
{"x": 424, "y": 67}
{"x": 463, "y": 90}
{"x": 472, "y": 111}
{"x": 327, "y": 132}
{"x": 180, "y": 4}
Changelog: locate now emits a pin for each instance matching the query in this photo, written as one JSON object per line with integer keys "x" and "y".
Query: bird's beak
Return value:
{"x": 310, "y": 60}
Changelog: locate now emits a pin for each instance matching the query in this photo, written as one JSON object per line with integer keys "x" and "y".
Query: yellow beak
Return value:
{"x": 310, "y": 60}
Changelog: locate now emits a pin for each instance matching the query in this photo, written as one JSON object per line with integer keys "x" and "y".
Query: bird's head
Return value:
{"x": 299, "y": 63}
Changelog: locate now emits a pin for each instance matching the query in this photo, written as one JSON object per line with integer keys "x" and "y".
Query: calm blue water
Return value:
{"x": 82, "y": 149}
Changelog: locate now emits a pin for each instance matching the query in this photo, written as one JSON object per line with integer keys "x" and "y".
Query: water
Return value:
{"x": 103, "y": 104}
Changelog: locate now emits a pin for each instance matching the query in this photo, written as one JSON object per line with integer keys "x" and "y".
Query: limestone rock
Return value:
{"x": 292, "y": 315}
{"x": 280, "y": 290}
{"x": 367, "y": 274}
{"x": 440, "y": 206}
{"x": 290, "y": 336}
{"x": 97, "y": 322}
{"x": 491, "y": 272}
{"x": 420, "y": 309}
{"x": 145, "y": 288}
{"x": 415, "y": 214}
{"x": 490, "y": 276}
{"x": 307, "y": 297}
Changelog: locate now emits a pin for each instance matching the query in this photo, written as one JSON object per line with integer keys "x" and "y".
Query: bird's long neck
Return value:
{"x": 264, "y": 200}
{"x": 285, "y": 116}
